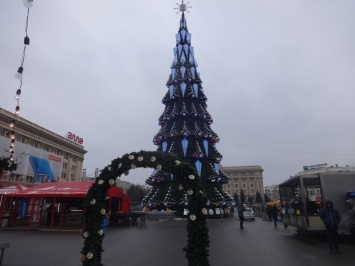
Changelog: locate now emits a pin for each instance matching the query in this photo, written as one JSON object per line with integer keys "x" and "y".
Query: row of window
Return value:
{"x": 36, "y": 144}
{"x": 64, "y": 176}
{"x": 236, "y": 185}
{"x": 252, "y": 192}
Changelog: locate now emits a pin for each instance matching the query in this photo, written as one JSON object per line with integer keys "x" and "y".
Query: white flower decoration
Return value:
{"x": 158, "y": 167}
{"x": 100, "y": 232}
{"x": 204, "y": 211}
{"x": 177, "y": 162}
{"x": 92, "y": 202}
{"x": 191, "y": 177}
{"x": 190, "y": 192}
{"x": 181, "y": 187}
{"x": 100, "y": 182}
{"x": 131, "y": 157}
{"x": 86, "y": 234}
{"x": 152, "y": 159}
{"x": 89, "y": 255}
{"x": 103, "y": 211}
{"x": 192, "y": 217}
{"x": 119, "y": 165}
{"x": 111, "y": 182}
{"x": 140, "y": 158}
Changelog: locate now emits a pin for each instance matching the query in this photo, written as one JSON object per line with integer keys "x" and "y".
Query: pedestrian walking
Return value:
{"x": 350, "y": 204}
{"x": 274, "y": 211}
{"x": 331, "y": 219}
{"x": 231, "y": 211}
{"x": 268, "y": 211}
{"x": 241, "y": 211}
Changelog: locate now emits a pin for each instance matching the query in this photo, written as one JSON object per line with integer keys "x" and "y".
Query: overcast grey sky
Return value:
{"x": 278, "y": 75}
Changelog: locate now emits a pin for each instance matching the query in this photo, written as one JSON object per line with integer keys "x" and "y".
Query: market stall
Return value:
{"x": 5, "y": 191}
{"x": 55, "y": 204}
{"x": 303, "y": 196}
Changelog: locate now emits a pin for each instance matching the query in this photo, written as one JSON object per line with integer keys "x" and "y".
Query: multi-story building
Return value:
{"x": 41, "y": 155}
{"x": 246, "y": 178}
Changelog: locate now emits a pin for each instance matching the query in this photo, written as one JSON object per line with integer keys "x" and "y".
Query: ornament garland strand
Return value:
{"x": 28, "y": 4}
{"x": 196, "y": 251}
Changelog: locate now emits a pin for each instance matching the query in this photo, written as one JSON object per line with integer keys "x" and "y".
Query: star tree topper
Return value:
{"x": 182, "y": 7}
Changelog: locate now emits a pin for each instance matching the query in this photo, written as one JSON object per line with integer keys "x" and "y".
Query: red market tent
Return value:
{"x": 28, "y": 206}
{"x": 12, "y": 189}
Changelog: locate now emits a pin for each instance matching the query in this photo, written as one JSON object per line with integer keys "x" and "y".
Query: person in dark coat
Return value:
{"x": 241, "y": 211}
{"x": 268, "y": 211}
{"x": 331, "y": 219}
{"x": 273, "y": 212}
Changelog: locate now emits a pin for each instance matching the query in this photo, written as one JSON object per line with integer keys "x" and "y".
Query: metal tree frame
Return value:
{"x": 197, "y": 251}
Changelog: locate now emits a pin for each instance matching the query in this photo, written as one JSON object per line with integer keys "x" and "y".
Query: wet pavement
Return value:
{"x": 160, "y": 243}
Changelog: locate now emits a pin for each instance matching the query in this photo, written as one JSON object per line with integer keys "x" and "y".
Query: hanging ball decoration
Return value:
{"x": 86, "y": 234}
{"x": 210, "y": 212}
{"x": 131, "y": 157}
{"x": 177, "y": 162}
{"x": 192, "y": 217}
{"x": 103, "y": 211}
{"x": 119, "y": 165}
{"x": 126, "y": 173}
{"x": 191, "y": 177}
{"x": 140, "y": 158}
{"x": 190, "y": 192}
{"x": 28, "y": 3}
{"x": 158, "y": 167}
{"x": 133, "y": 166}
{"x": 204, "y": 211}
{"x": 111, "y": 182}
{"x": 89, "y": 255}
{"x": 152, "y": 159}
{"x": 109, "y": 168}
{"x": 100, "y": 182}
{"x": 100, "y": 232}
{"x": 92, "y": 202}
{"x": 181, "y": 187}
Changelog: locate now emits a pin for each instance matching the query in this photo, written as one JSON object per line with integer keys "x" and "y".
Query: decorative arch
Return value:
{"x": 197, "y": 251}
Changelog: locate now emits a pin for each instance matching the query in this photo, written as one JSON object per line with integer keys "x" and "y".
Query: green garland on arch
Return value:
{"x": 197, "y": 251}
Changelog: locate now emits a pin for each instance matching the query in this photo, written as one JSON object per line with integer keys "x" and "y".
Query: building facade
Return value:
{"x": 246, "y": 178}
{"x": 41, "y": 155}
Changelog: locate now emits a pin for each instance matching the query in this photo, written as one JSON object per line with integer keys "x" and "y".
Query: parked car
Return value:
{"x": 249, "y": 214}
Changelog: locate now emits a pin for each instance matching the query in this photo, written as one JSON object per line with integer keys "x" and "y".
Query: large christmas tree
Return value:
{"x": 186, "y": 132}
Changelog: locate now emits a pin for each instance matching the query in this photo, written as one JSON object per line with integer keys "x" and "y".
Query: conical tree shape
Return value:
{"x": 186, "y": 132}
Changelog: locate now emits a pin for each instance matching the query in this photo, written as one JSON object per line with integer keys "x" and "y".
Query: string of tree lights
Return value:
{"x": 28, "y": 4}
